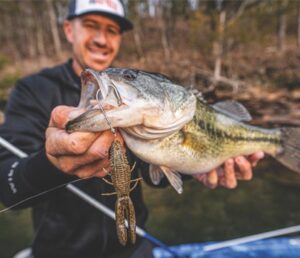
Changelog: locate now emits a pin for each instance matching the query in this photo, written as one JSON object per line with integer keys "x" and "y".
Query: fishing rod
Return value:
{"x": 142, "y": 233}
{"x": 252, "y": 238}
{"x": 92, "y": 201}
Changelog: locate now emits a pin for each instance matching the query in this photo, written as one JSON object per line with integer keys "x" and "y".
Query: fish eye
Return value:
{"x": 130, "y": 74}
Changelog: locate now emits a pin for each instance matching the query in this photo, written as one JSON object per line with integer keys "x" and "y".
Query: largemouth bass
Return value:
{"x": 168, "y": 127}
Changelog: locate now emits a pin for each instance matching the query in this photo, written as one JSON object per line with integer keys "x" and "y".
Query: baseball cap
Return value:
{"x": 113, "y": 9}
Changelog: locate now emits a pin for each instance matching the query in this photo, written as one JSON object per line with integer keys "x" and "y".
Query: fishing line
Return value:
{"x": 44, "y": 192}
{"x": 116, "y": 93}
{"x": 4, "y": 143}
{"x": 104, "y": 113}
{"x": 23, "y": 155}
{"x": 109, "y": 212}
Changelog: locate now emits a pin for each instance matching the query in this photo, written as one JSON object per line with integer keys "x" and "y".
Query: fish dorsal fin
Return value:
{"x": 156, "y": 174}
{"x": 174, "y": 178}
{"x": 233, "y": 109}
{"x": 197, "y": 93}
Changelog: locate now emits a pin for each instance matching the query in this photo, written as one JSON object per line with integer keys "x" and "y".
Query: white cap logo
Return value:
{"x": 110, "y": 6}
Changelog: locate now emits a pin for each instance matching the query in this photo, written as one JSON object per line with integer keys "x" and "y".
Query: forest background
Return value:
{"x": 247, "y": 50}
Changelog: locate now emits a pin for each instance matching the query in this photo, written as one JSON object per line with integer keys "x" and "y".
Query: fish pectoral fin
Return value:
{"x": 156, "y": 174}
{"x": 233, "y": 109}
{"x": 174, "y": 178}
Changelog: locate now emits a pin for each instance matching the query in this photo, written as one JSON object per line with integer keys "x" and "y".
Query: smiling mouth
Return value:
{"x": 99, "y": 51}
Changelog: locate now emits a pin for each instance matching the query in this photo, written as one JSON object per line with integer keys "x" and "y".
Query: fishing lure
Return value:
{"x": 121, "y": 181}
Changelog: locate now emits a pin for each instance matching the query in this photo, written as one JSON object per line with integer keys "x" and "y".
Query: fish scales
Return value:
{"x": 221, "y": 130}
{"x": 166, "y": 126}
{"x": 210, "y": 138}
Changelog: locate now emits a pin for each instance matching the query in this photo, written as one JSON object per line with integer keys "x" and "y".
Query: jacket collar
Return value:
{"x": 64, "y": 73}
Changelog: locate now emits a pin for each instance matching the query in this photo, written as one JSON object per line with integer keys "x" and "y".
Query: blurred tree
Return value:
{"x": 282, "y": 6}
{"x": 163, "y": 14}
{"x": 224, "y": 13}
{"x": 298, "y": 23}
{"x": 164, "y": 21}
{"x": 8, "y": 34}
{"x": 40, "y": 39}
{"x": 53, "y": 26}
{"x": 135, "y": 15}
{"x": 29, "y": 22}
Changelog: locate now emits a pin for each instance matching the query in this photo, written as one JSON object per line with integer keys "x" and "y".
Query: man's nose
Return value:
{"x": 100, "y": 38}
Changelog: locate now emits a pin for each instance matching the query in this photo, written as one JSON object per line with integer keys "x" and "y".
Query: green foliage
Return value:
{"x": 16, "y": 232}
{"x": 3, "y": 62}
{"x": 6, "y": 84}
{"x": 200, "y": 35}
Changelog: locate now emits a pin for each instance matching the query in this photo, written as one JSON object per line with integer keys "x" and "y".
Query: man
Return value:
{"x": 64, "y": 225}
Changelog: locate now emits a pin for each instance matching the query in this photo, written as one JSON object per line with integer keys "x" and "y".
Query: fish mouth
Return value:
{"x": 95, "y": 85}
{"x": 96, "y": 96}
{"x": 110, "y": 102}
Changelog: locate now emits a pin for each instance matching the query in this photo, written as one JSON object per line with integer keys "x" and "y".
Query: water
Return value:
{"x": 15, "y": 232}
{"x": 268, "y": 202}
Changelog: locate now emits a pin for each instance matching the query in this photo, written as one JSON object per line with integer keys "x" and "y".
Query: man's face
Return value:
{"x": 95, "y": 40}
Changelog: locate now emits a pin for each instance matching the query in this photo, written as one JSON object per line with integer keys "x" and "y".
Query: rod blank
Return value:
{"x": 98, "y": 205}
{"x": 252, "y": 238}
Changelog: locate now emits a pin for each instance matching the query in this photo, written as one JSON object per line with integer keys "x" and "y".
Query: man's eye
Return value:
{"x": 113, "y": 31}
{"x": 89, "y": 25}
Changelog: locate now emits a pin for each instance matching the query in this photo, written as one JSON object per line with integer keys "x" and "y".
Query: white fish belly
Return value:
{"x": 177, "y": 158}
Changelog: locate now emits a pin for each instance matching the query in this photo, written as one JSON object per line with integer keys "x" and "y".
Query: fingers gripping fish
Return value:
{"x": 166, "y": 126}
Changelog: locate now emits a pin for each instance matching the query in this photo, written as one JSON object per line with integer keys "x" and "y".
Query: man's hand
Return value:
{"x": 227, "y": 175}
{"x": 83, "y": 154}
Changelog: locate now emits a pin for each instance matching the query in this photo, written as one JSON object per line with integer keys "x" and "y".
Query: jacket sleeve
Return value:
{"x": 26, "y": 119}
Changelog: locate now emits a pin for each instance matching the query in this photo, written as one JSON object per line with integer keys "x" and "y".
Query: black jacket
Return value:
{"x": 65, "y": 226}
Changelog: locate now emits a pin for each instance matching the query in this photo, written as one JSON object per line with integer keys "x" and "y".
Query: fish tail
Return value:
{"x": 289, "y": 154}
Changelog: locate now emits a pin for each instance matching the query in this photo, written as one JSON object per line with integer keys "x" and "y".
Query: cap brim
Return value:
{"x": 123, "y": 22}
